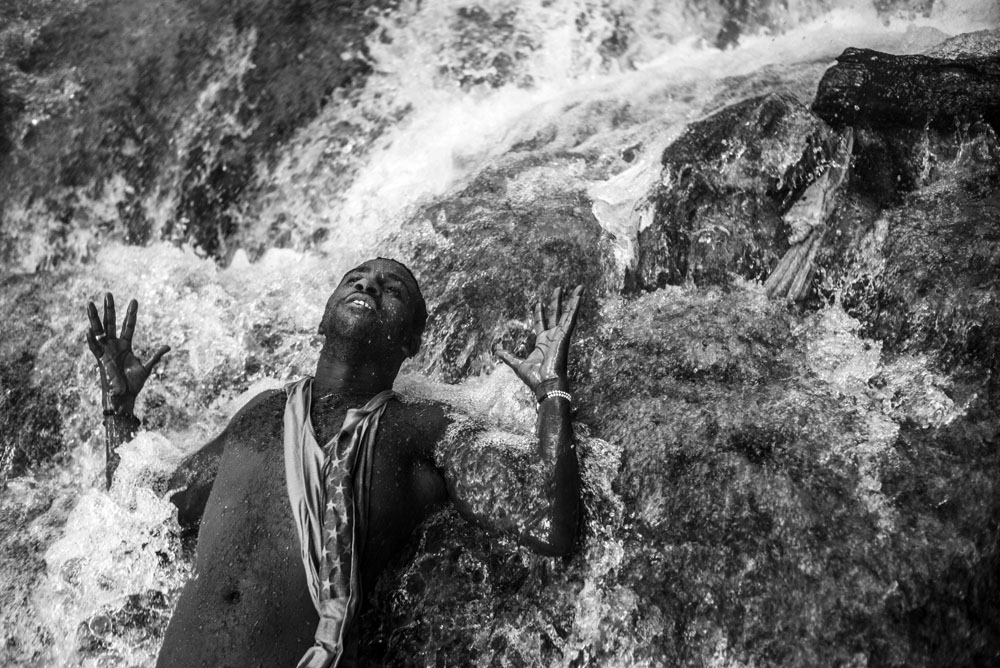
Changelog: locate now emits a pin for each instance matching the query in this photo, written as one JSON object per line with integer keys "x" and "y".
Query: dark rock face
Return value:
{"x": 907, "y": 111}
{"x": 726, "y": 182}
{"x": 134, "y": 72}
{"x": 751, "y": 486}
{"x": 878, "y": 89}
{"x": 30, "y": 418}
{"x": 938, "y": 289}
{"x": 919, "y": 257}
{"x": 30, "y": 424}
{"x": 749, "y": 523}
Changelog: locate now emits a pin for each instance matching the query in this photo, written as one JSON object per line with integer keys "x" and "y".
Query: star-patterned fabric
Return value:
{"x": 328, "y": 489}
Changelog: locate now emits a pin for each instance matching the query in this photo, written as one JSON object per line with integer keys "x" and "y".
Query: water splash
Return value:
{"x": 414, "y": 134}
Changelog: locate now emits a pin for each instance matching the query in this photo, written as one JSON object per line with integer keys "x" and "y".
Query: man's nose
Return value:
{"x": 367, "y": 285}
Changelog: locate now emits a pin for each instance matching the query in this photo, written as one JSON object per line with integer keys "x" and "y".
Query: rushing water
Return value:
{"x": 91, "y": 574}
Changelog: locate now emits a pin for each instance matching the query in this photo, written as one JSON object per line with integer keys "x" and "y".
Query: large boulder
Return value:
{"x": 917, "y": 240}
{"x": 879, "y": 89}
{"x": 725, "y": 184}
{"x": 32, "y": 399}
{"x": 487, "y": 253}
{"x": 779, "y": 492}
{"x": 929, "y": 276}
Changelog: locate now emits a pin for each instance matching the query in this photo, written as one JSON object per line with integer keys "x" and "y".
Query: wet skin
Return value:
{"x": 248, "y": 603}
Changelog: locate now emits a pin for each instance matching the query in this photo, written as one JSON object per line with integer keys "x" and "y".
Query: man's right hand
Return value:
{"x": 122, "y": 374}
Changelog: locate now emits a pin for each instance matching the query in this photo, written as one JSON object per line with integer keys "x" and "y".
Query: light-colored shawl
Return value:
{"x": 329, "y": 491}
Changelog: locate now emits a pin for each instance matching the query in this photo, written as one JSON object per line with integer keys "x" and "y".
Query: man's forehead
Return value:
{"x": 387, "y": 267}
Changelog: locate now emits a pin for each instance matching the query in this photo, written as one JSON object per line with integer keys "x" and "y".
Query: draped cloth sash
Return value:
{"x": 329, "y": 491}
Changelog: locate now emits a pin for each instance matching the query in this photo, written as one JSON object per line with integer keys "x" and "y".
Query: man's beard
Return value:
{"x": 369, "y": 335}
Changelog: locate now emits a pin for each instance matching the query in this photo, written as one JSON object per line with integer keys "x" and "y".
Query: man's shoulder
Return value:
{"x": 262, "y": 411}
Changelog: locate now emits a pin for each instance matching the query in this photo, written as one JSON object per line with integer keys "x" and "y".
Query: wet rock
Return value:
{"x": 726, "y": 182}
{"x": 118, "y": 108}
{"x": 772, "y": 511}
{"x": 909, "y": 112}
{"x": 878, "y": 89}
{"x": 30, "y": 425}
{"x": 138, "y": 618}
{"x": 970, "y": 44}
{"x": 465, "y": 598}
{"x": 490, "y": 49}
{"x": 11, "y": 105}
{"x": 30, "y": 420}
{"x": 933, "y": 282}
{"x": 486, "y": 254}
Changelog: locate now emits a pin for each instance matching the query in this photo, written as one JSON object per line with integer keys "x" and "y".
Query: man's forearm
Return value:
{"x": 557, "y": 448}
{"x": 119, "y": 429}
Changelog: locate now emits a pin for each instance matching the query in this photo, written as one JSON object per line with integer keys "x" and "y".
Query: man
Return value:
{"x": 309, "y": 493}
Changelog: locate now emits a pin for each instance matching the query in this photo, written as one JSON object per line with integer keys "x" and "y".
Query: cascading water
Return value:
{"x": 564, "y": 109}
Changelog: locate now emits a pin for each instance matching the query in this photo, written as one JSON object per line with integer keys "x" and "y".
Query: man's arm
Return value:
{"x": 533, "y": 494}
{"x": 122, "y": 375}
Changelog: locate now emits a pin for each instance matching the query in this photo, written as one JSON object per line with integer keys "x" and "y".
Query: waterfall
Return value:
{"x": 231, "y": 218}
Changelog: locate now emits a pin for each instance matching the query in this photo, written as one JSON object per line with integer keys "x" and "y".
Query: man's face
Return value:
{"x": 375, "y": 303}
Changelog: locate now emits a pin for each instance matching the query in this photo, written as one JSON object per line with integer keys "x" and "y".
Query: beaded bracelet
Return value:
{"x": 557, "y": 393}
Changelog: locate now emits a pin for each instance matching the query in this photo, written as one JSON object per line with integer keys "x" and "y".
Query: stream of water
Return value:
{"x": 97, "y": 572}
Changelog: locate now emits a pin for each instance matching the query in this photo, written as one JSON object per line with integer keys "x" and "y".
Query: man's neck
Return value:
{"x": 368, "y": 377}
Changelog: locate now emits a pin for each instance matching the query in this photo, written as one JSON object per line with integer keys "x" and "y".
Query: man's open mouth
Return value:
{"x": 362, "y": 301}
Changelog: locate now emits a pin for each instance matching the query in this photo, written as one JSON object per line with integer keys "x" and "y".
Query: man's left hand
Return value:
{"x": 545, "y": 368}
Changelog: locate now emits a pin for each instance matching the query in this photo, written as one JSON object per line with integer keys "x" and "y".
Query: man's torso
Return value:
{"x": 248, "y": 604}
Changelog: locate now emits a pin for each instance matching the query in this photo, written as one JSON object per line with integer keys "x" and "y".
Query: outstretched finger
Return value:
{"x": 539, "y": 318}
{"x": 554, "y": 304}
{"x": 508, "y": 359}
{"x": 569, "y": 313}
{"x": 128, "y": 326}
{"x": 96, "y": 328}
{"x": 95, "y": 347}
{"x": 109, "y": 314}
{"x": 155, "y": 359}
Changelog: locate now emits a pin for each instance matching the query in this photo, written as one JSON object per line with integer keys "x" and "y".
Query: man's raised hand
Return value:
{"x": 122, "y": 374}
{"x": 544, "y": 368}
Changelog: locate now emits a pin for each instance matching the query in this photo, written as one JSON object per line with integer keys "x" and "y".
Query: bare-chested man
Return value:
{"x": 298, "y": 485}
